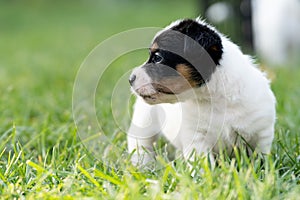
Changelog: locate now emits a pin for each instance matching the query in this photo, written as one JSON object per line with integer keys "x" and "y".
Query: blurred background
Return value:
{"x": 43, "y": 43}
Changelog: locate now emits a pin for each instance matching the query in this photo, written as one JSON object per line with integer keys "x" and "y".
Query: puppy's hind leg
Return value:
{"x": 264, "y": 140}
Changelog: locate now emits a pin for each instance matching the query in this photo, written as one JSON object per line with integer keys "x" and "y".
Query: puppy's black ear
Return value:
{"x": 206, "y": 37}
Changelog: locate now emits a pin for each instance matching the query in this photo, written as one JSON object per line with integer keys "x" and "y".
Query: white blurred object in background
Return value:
{"x": 219, "y": 12}
{"x": 276, "y": 26}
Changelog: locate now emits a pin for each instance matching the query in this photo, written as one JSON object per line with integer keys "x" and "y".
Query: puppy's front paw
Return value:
{"x": 142, "y": 159}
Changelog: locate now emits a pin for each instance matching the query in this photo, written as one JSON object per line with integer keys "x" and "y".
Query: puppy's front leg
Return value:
{"x": 143, "y": 132}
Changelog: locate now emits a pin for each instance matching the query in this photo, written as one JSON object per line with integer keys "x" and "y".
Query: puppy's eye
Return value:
{"x": 157, "y": 58}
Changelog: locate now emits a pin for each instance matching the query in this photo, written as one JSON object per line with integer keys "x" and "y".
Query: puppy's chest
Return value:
{"x": 183, "y": 118}
{"x": 204, "y": 114}
{"x": 210, "y": 121}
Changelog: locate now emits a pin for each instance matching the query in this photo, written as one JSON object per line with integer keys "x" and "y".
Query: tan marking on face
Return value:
{"x": 176, "y": 84}
{"x": 154, "y": 47}
{"x": 185, "y": 71}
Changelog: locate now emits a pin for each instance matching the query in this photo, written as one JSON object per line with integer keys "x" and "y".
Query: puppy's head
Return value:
{"x": 182, "y": 57}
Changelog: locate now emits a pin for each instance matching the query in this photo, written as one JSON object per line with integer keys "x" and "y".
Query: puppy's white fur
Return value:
{"x": 236, "y": 100}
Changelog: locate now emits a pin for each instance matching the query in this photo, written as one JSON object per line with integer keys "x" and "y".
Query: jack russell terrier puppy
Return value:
{"x": 201, "y": 92}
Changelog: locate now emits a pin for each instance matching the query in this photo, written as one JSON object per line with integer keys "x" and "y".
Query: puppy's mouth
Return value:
{"x": 150, "y": 97}
{"x": 153, "y": 96}
{"x": 153, "y": 91}
{"x": 162, "y": 89}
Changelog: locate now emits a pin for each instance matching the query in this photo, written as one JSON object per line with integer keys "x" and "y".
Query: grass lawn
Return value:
{"x": 42, "y": 45}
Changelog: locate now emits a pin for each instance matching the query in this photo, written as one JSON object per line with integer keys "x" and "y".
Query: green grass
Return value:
{"x": 42, "y": 45}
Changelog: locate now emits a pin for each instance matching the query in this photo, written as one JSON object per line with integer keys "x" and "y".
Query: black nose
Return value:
{"x": 132, "y": 79}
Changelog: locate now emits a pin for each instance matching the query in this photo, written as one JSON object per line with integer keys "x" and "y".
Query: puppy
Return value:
{"x": 201, "y": 92}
